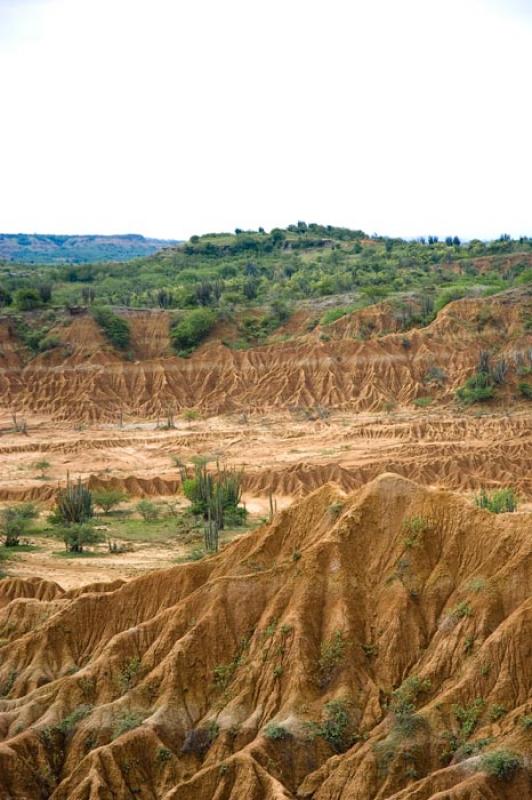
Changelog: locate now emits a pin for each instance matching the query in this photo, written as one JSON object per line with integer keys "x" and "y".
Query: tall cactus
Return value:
{"x": 74, "y": 503}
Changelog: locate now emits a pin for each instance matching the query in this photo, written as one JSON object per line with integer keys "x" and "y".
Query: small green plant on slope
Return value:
{"x": 501, "y": 764}
{"x": 331, "y": 655}
{"x": 498, "y": 502}
{"x": 403, "y": 703}
{"x": 42, "y": 466}
{"x": 414, "y": 528}
{"x": 126, "y": 721}
{"x": 129, "y": 673}
{"x": 336, "y": 726}
{"x": 276, "y": 732}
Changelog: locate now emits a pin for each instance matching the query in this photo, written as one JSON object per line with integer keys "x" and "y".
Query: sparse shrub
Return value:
{"x": 434, "y": 374}
{"x": 126, "y": 721}
{"x": 526, "y": 722}
{"x": 78, "y": 535}
{"x": 147, "y": 510}
{"x": 414, "y": 527}
{"x": 422, "y": 402}
{"x": 461, "y": 610}
{"x": 336, "y": 726}
{"x": 331, "y": 655}
{"x": 163, "y": 755}
{"x": 296, "y": 555}
{"x": 335, "y": 509}
{"x": 498, "y": 502}
{"x": 190, "y": 414}
{"x": 332, "y": 315}
{"x": 15, "y": 522}
{"x": 42, "y": 466}
{"x": 525, "y": 389}
{"x": 468, "y": 717}
{"x": 69, "y": 723}
{"x": 477, "y": 389}
{"x": 501, "y": 764}
{"x": 276, "y": 732}
{"x": 128, "y": 674}
{"x": 108, "y": 499}
{"x": 496, "y": 712}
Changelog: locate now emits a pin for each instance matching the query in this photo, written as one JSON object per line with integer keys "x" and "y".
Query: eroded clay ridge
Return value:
{"x": 337, "y": 369}
{"x": 369, "y": 646}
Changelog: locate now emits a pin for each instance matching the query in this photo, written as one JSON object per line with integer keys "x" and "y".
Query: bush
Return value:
{"x": 331, "y": 655}
{"x": 107, "y": 499}
{"x": 148, "y": 510}
{"x": 423, "y": 402}
{"x": 335, "y": 727}
{"x": 499, "y": 502}
{"x": 126, "y": 721}
{"x": 525, "y": 389}
{"x": 191, "y": 328}
{"x": 77, "y": 536}
{"x": 27, "y": 299}
{"x": 477, "y": 389}
{"x": 275, "y": 732}
{"x": 15, "y": 522}
{"x": 115, "y": 329}
{"x": 332, "y": 315}
{"x": 501, "y": 764}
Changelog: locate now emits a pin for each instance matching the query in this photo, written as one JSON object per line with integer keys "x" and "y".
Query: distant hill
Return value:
{"x": 36, "y": 248}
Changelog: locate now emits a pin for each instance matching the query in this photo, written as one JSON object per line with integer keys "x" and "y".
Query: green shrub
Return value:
{"x": 331, "y": 655}
{"x": 15, "y": 522}
{"x": 525, "y": 389}
{"x": 423, "y": 402}
{"x": 27, "y": 299}
{"x": 501, "y": 764}
{"x": 336, "y": 726}
{"x": 77, "y": 536}
{"x": 332, "y": 315}
{"x": 500, "y": 501}
{"x": 115, "y": 329}
{"x": 477, "y": 389}
{"x": 107, "y": 499}
{"x": 147, "y": 510}
{"x": 275, "y": 732}
{"x": 191, "y": 329}
{"x": 126, "y": 721}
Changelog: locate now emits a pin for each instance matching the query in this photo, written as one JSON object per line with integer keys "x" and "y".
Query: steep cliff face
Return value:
{"x": 88, "y": 381}
{"x": 372, "y": 645}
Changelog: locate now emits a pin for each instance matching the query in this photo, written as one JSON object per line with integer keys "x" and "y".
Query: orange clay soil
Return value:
{"x": 355, "y": 363}
{"x": 374, "y": 646}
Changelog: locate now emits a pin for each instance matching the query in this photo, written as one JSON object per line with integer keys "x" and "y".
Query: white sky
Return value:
{"x": 174, "y": 117}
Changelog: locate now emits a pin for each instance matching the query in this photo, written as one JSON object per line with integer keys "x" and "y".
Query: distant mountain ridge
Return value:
{"x": 35, "y": 248}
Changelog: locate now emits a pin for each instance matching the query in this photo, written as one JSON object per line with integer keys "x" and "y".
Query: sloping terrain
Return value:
{"x": 85, "y": 380}
{"x": 33, "y": 248}
{"x": 369, "y": 646}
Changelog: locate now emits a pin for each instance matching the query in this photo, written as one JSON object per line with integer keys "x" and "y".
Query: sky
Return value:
{"x": 178, "y": 117}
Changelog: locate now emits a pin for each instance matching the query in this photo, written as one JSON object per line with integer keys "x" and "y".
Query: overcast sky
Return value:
{"x": 174, "y": 117}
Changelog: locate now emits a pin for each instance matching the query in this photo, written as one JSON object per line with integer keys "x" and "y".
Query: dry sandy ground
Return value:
{"x": 285, "y": 453}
